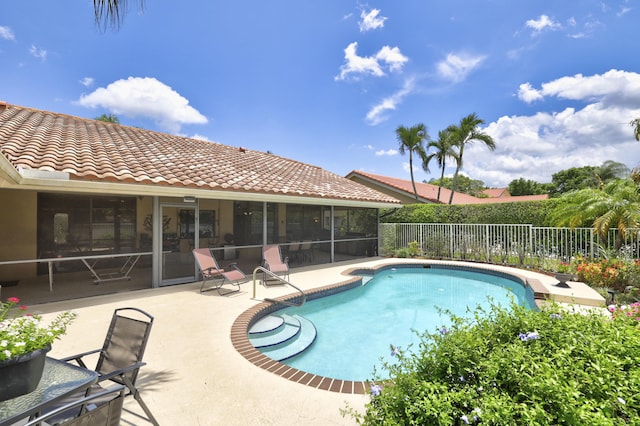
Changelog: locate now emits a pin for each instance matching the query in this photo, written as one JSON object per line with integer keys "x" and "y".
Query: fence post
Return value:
{"x": 486, "y": 241}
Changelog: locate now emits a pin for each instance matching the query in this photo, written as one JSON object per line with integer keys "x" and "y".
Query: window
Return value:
{"x": 74, "y": 224}
{"x": 304, "y": 223}
{"x": 355, "y": 222}
{"x": 247, "y": 223}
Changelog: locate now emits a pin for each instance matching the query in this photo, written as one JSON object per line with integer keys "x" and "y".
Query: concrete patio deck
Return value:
{"x": 194, "y": 376}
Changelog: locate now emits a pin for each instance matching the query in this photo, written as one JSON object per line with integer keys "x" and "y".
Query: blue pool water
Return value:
{"x": 357, "y": 327}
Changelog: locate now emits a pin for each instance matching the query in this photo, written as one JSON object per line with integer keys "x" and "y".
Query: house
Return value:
{"x": 496, "y": 192}
{"x": 402, "y": 189}
{"x": 76, "y": 191}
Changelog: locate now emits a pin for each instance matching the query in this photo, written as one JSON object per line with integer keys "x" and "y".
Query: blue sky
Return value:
{"x": 328, "y": 82}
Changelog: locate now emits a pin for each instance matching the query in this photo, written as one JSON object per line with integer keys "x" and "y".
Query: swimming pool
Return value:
{"x": 357, "y": 327}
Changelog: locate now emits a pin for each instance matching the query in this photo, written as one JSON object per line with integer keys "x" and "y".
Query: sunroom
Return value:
{"x": 114, "y": 208}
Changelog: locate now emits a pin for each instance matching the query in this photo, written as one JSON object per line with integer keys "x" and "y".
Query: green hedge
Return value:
{"x": 534, "y": 213}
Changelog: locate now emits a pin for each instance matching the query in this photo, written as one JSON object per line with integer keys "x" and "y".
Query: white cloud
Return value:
{"x": 87, "y": 81}
{"x": 542, "y": 23}
{"x": 38, "y": 53}
{"x": 456, "y": 67}
{"x": 392, "y": 57}
{"x": 6, "y": 33}
{"x": 370, "y": 20}
{"x": 614, "y": 86}
{"x": 623, "y": 11}
{"x": 527, "y": 93}
{"x": 200, "y": 137}
{"x": 376, "y": 115}
{"x": 388, "y": 152}
{"x": 417, "y": 170}
{"x": 146, "y": 98}
{"x": 544, "y": 143}
{"x": 370, "y": 65}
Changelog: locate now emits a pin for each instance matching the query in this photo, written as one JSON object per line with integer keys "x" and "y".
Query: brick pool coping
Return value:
{"x": 242, "y": 324}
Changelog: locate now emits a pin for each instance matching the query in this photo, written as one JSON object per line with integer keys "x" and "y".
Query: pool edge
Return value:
{"x": 241, "y": 325}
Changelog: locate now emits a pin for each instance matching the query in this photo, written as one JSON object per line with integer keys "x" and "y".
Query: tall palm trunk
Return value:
{"x": 412, "y": 139}
{"x": 413, "y": 182}
{"x": 441, "y": 179}
{"x": 454, "y": 184}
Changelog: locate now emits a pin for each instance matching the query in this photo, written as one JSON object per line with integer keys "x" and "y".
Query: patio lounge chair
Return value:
{"x": 273, "y": 261}
{"x": 211, "y": 271}
{"x": 306, "y": 251}
{"x": 103, "y": 408}
{"x": 120, "y": 358}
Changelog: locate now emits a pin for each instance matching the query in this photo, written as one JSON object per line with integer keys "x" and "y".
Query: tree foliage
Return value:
{"x": 110, "y": 13}
{"x": 576, "y": 178}
{"x": 522, "y": 186}
{"x": 465, "y": 185}
{"x": 463, "y": 134}
{"x": 573, "y": 179}
{"x": 615, "y": 205}
{"x": 412, "y": 139}
{"x": 108, "y": 118}
{"x": 443, "y": 151}
{"x": 635, "y": 123}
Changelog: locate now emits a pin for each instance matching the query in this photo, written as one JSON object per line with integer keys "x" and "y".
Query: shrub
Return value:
{"x": 514, "y": 366}
{"x": 414, "y": 249}
{"x": 402, "y": 253}
{"x": 616, "y": 274}
{"x": 535, "y": 213}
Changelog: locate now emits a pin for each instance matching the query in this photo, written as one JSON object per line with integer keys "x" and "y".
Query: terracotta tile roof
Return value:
{"x": 511, "y": 199}
{"x": 496, "y": 192}
{"x": 90, "y": 150}
{"x": 426, "y": 191}
{"x": 429, "y": 192}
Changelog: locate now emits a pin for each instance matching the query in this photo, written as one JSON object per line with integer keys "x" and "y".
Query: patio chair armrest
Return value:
{"x": 233, "y": 265}
{"x": 122, "y": 371}
{"x": 84, "y": 402}
{"x": 78, "y": 357}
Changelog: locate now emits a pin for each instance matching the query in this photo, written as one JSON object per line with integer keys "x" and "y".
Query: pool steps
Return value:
{"x": 283, "y": 336}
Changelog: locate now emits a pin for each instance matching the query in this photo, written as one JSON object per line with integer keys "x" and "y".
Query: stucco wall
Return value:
{"x": 18, "y": 232}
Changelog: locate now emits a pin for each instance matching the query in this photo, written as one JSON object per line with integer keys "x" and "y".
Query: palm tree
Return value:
{"x": 463, "y": 134}
{"x": 111, "y": 12}
{"x": 635, "y": 123}
{"x": 610, "y": 170}
{"x": 444, "y": 150}
{"x": 615, "y": 205}
{"x": 412, "y": 139}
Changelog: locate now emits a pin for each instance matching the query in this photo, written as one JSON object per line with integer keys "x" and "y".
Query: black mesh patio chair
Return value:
{"x": 103, "y": 408}
{"x": 120, "y": 358}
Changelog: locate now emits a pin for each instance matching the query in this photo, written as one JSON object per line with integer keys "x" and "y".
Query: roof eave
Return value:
{"x": 59, "y": 184}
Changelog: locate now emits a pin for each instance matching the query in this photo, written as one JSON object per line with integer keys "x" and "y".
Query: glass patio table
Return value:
{"x": 59, "y": 380}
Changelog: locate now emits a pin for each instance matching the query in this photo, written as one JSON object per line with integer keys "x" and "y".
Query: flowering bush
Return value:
{"x": 629, "y": 312}
{"x": 514, "y": 366}
{"x": 609, "y": 273}
{"x": 23, "y": 334}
